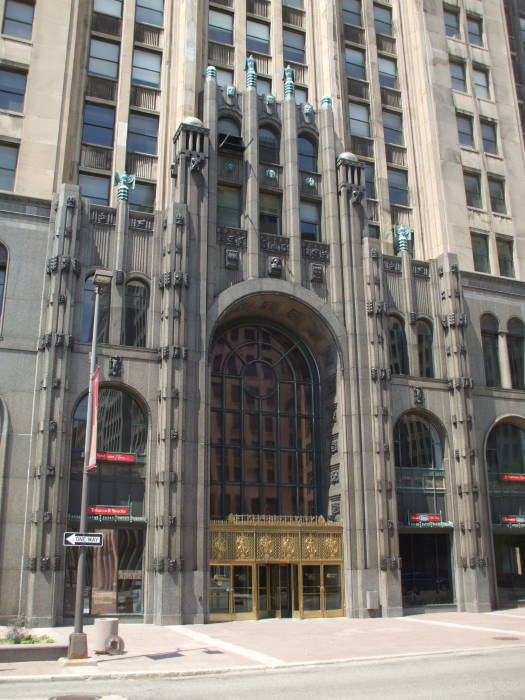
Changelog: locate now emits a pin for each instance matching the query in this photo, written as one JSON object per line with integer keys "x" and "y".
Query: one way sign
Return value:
{"x": 82, "y": 539}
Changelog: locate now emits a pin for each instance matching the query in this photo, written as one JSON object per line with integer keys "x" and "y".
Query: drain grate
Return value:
{"x": 508, "y": 639}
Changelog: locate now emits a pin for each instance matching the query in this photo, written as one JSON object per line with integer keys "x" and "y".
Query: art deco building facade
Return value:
{"x": 312, "y": 350}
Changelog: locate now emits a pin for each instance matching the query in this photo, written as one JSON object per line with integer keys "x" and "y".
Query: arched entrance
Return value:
{"x": 272, "y": 553}
{"x": 114, "y": 582}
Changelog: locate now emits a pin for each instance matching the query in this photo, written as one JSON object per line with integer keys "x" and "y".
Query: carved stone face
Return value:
{"x": 275, "y": 267}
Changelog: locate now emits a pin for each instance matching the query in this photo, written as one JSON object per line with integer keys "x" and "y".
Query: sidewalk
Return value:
{"x": 154, "y": 651}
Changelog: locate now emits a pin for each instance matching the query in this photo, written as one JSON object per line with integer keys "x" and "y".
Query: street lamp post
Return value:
{"x": 77, "y": 639}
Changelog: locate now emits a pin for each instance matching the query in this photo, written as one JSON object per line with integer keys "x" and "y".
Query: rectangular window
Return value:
{"x": 264, "y": 86}
{"x": 383, "y": 20}
{"x": 465, "y": 132}
{"x": 480, "y": 252}
{"x": 475, "y": 30}
{"x": 220, "y": 27}
{"x": 270, "y": 213}
{"x": 294, "y": 3}
{"x": 108, "y": 7}
{"x": 374, "y": 231}
{"x": 387, "y": 72}
{"x": 480, "y": 76}
{"x": 497, "y": 195}
{"x": 228, "y": 207}
{"x": 8, "y": 158}
{"x": 370, "y": 182}
{"x": 310, "y": 221}
{"x": 457, "y": 76}
{"x": 98, "y": 125}
{"x": 398, "y": 186}
{"x": 359, "y": 119}
{"x": 355, "y": 63}
{"x": 301, "y": 96}
{"x": 393, "y": 128}
{"x": 352, "y": 12}
{"x": 257, "y": 37}
{"x": 505, "y": 257}
{"x": 142, "y": 198}
{"x": 95, "y": 188}
{"x": 18, "y": 19}
{"x": 451, "y": 23}
{"x": 293, "y": 46}
{"x": 472, "y": 189}
{"x": 142, "y": 133}
{"x": 224, "y": 77}
{"x": 150, "y": 12}
{"x": 146, "y": 68}
{"x": 103, "y": 59}
{"x": 488, "y": 134}
{"x": 12, "y": 90}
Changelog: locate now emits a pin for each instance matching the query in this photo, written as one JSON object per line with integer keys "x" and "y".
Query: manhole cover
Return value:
{"x": 508, "y": 639}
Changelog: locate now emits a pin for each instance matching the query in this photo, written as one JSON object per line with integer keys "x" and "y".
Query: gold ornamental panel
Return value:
{"x": 274, "y": 538}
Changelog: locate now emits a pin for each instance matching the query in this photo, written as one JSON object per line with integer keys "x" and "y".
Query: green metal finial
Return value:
{"x": 124, "y": 183}
{"x": 251, "y": 72}
{"x": 289, "y": 81}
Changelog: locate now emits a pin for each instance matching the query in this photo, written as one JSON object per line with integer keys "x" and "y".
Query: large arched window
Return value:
{"x": 88, "y": 313}
{"x": 398, "y": 346}
{"x": 263, "y": 446}
{"x": 489, "y": 343}
{"x": 268, "y": 146}
{"x": 506, "y": 449}
{"x": 515, "y": 347}
{"x": 3, "y": 272}
{"x": 136, "y": 297}
{"x": 227, "y": 126}
{"x": 424, "y": 349}
{"x": 307, "y": 152}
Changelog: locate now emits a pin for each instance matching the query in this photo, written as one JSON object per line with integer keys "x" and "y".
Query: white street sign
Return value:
{"x": 82, "y": 539}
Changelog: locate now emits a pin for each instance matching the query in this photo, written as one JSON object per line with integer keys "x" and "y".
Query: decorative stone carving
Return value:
{"x": 179, "y": 220}
{"x": 274, "y": 244}
{"x": 334, "y": 475}
{"x": 231, "y": 259}
{"x": 119, "y": 277}
{"x": 356, "y": 195}
{"x": 234, "y": 238}
{"x": 391, "y": 264}
{"x": 275, "y": 267}
{"x": 420, "y": 269}
{"x": 124, "y": 182}
{"x": 313, "y": 250}
{"x": 52, "y": 264}
{"x": 197, "y": 162}
{"x": 115, "y": 366}
{"x": 419, "y": 397}
{"x": 334, "y": 446}
{"x": 317, "y": 273}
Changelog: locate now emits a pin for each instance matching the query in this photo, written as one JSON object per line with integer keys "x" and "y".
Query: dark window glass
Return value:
{"x": 398, "y": 346}
{"x": 18, "y": 19}
{"x": 475, "y": 30}
{"x": 142, "y": 198}
{"x": 359, "y": 119}
{"x": 228, "y": 127}
{"x": 489, "y": 342}
{"x": 398, "y": 186}
{"x": 393, "y": 128}
{"x": 136, "y": 298}
{"x": 12, "y": 90}
{"x": 220, "y": 27}
{"x": 505, "y": 257}
{"x": 457, "y": 76}
{"x": 268, "y": 146}
{"x": 270, "y": 213}
{"x": 355, "y": 63}
{"x": 263, "y": 451}
{"x": 451, "y": 23}
{"x": 257, "y": 37}
{"x": 383, "y": 20}
{"x": 488, "y": 134}
{"x": 146, "y": 68}
{"x": 497, "y": 195}
{"x": 98, "y": 124}
{"x": 387, "y": 72}
{"x": 424, "y": 349}
{"x": 108, "y": 7}
{"x": 370, "y": 182}
{"x": 506, "y": 449}
{"x": 150, "y": 12}
{"x": 480, "y": 77}
{"x": 472, "y": 189}
{"x": 307, "y": 152}
{"x": 88, "y": 313}
{"x": 3, "y": 272}
{"x": 352, "y": 12}
{"x": 417, "y": 444}
{"x": 103, "y": 59}
{"x": 374, "y": 231}
{"x": 465, "y": 133}
{"x": 95, "y": 188}
{"x": 228, "y": 207}
{"x": 293, "y": 46}
{"x": 8, "y": 158}
{"x": 515, "y": 347}
{"x": 225, "y": 77}
{"x": 310, "y": 221}
{"x": 480, "y": 252}
{"x": 522, "y": 28}
{"x": 142, "y": 133}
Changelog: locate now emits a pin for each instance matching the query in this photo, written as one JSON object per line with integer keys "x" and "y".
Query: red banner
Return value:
{"x": 108, "y": 510}
{"x": 95, "y": 381}
{"x": 425, "y": 518}
{"x": 512, "y": 519}
{"x": 512, "y": 477}
{"x": 116, "y": 457}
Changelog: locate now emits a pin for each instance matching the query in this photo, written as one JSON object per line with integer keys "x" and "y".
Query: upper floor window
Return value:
{"x": 220, "y": 27}
{"x": 136, "y": 298}
{"x": 8, "y": 158}
{"x": 95, "y": 188}
{"x": 3, "y": 272}
{"x": 150, "y": 12}
{"x": 12, "y": 90}
{"x": 352, "y": 12}
{"x": 228, "y": 207}
{"x": 475, "y": 30}
{"x": 293, "y": 47}
{"x": 489, "y": 344}
{"x": 398, "y": 186}
{"x": 451, "y": 23}
{"x": 355, "y": 63}
{"x": 142, "y": 133}
{"x": 515, "y": 347}
{"x": 98, "y": 125}
{"x": 370, "y": 182}
{"x": 294, "y": 3}
{"x": 488, "y": 134}
{"x": 387, "y": 72}
{"x": 88, "y": 312}
{"x": 505, "y": 256}
{"x": 359, "y": 119}
{"x": 108, "y": 7}
{"x": 270, "y": 213}
{"x": 457, "y": 76}
{"x": 307, "y": 152}
{"x": 383, "y": 20}
{"x": 103, "y": 59}
{"x": 506, "y": 449}
{"x": 522, "y": 28}
{"x": 480, "y": 252}
{"x": 465, "y": 131}
{"x": 224, "y": 77}
{"x": 146, "y": 68}
{"x": 310, "y": 221}
{"x": 398, "y": 346}
{"x": 264, "y": 86}
{"x": 301, "y": 95}
{"x": 424, "y": 349}
{"x": 497, "y": 195}
{"x": 268, "y": 146}
{"x": 257, "y": 37}
{"x": 142, "y": 197}
{"x": 228, "y": 127}
{"x": 393, "y": 128}
{"x": 18, "y": 19}
{"x": 472, "y": 189}
{"x": 480, "y": 77}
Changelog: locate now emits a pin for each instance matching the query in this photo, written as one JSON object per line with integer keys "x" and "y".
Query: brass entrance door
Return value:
{"x": 275, "y": 590}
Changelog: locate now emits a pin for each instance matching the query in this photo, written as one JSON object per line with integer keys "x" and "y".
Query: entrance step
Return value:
{"x": 426, "y": 609}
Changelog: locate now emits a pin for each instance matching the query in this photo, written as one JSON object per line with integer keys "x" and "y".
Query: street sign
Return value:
{"x": 83, "y": 539}
{"x": 108, "y": 510}
{"x": 125, "y": 457}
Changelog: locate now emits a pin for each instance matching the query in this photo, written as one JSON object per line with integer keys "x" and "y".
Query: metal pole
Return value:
{"x": 78, "y": 644}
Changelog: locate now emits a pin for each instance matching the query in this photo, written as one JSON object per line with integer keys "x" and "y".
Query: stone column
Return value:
{"x": 504, "y": 360}
{"x": 292, "y": 228}
{"x": 251, "y": 164}
{"x": 124, "y": 181}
